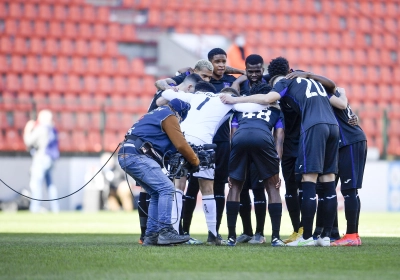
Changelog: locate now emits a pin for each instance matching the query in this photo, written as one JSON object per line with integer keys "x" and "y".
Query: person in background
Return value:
{"x": 237, "y": 53}
{"x": 41, "y": 140}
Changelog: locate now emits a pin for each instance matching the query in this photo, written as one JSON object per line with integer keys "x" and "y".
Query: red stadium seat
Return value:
{"x": 85, "y": 31}
{"x": 73, "y": 83}
{"x": 29, "y": 11}
{"x": 13, "y": 141}
{"x": 19, "y": 46}
{"x": 59, "y": 83}
{"x": 17, "y": 65}
{"x": 60, "y": 12}
{"x": 67, "y": 121}
{"x": 63, "y": 65}
{"x": 82, "y": 120}
{"x": 3, "y": 64}
{"x": 5, "y": 45}
{"x": 111, "y": 48}
{"x": 94, "y": 141}
{"x": 75, "y": 14}
{"x": 82, "y": 47}
{"x": 4, "y": 120}
{"x": 67, "y": 47}
{"x": 137, "y": 66}
{"x": 128, "y": 33}
{"x": 55, "y": 102}
{"x": 56, "y": 30}
{"x": 44, "y": 12}
{"x": 51, "y": 46}
{"x": 80, "y": 141}
{"x": 40, "y": 29}
{"x": 114, "y": 31}
{"x": 96, "y": 120}
{"x": 46, "y": 65}
{"x": 107, "y": 66}
{"x": 70, "y": 30}
{"x": 78, "y": 67}
{"x": 20, "y": 119}
{"x": 64, "y": 140}
{"x": 123, "y": 66}
{"x": 111, "y": 140}
{"x": 12, "y": 82}
{"x": 28, "y": 83}
{"x": 71, "y": 102}
{"x": 90, "y": 84}
{"x": 97, "y": 48}
{"x": 8, "y": 101}
{"x": 104, "y": 85}
{"x": 25, "y": 28}
{"x": 93, "y": 66}
{"x": 44, "y": 83}
{"x": 11, "y": 27}
{"x": 100, "y": 32}
{"x": 120, "y": 85}
{"x": 89, "y": 14}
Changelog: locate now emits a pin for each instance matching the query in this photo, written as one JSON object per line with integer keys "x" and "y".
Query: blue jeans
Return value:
{"x": 149, "y": 175}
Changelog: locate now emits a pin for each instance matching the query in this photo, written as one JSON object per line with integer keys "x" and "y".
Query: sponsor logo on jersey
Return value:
{"x": 330, "y": 197}
{"x": 348, "y": 180}
{"x": 227, "y": 84}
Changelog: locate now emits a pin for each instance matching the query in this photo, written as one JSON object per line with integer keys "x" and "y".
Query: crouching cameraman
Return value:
{"x": 156, "y": 133}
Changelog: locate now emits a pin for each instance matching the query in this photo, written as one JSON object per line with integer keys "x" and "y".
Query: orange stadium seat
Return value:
{"x": 137, "y": 66}
{"x": 107, "y": 66}
{"x": 111, "y": 48}
{"x": 121, "y": 85}
{"x": 111, "y": 140}
{"x": 65, "y": 141}
{"x": 96, "y": 48}
{"x": 394, "y": 146}
{"x": 123, "y": 66}
{"x": 114, "y": 31}
{"x": 128, "y": 33}
{"x": 394, "y": 128}
{"x": 104, "y": 85}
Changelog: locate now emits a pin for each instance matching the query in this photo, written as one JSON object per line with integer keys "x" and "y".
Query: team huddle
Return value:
{"x": 293, "y": 119}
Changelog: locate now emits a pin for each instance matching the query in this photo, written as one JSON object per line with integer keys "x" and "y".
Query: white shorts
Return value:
{"x": 205, "y": 173}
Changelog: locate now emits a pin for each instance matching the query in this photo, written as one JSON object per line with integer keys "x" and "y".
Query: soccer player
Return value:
{"x": 203, "y": 120}
{"x": 253, "y": 143}
{"x": 318, "y": 145}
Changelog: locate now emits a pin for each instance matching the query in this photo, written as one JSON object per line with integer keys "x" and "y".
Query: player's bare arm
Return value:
{"x": 328, "y": 84}
{"x": 263, "y": 99}
{"x": 231, "y": 70}
{"x": 164, "y": 84}
{"x": 238, "y": 81}
{"x": 340, "y": 101}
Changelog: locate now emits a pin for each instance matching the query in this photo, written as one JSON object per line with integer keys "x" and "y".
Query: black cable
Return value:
{"x": 31, "y": 198}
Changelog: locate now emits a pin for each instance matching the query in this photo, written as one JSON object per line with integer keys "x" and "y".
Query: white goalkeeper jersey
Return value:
{"x": 207, "y": 112}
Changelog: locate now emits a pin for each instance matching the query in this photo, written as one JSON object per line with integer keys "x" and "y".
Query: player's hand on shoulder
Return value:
{"x": 353, "y": 120}
{"x": 226, "y": 98}
{"x": 298, "y": 74}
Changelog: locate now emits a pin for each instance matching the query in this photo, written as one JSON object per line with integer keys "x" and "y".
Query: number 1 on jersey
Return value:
{"x": 202, "y": 103}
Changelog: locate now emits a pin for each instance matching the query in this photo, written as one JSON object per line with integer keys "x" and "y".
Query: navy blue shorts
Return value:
{"x": 253, "y": 145}
{"x": 252, "y": 179}
{"x": 319, "y": 150}
{"x": 351, "y": 165}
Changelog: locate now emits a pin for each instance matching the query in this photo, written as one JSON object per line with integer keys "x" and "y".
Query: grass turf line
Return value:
{"x": 107, "y": 255}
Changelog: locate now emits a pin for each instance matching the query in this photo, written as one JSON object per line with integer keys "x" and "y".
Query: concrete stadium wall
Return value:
{"x": 380, "y": 192}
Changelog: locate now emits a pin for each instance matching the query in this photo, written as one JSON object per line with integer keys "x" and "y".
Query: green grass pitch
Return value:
{"x": 104, "y": 245}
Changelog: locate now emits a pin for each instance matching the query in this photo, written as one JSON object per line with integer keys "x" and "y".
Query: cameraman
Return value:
{"x": 156, "y": 133}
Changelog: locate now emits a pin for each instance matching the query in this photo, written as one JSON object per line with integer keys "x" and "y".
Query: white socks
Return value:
{"x": 209, "y": 208}
{"x": 176, "y": 209}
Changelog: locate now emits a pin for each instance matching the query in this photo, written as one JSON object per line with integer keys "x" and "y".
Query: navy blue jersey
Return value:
{"x": 245, "y": 87}
{"x": 225, "y": 81}
{"x": 149, "y": 129}
{"x": 292, "y": 124}
{"x": 265, "y": 119}
{"x": 312, "y": 101}
{"x": 349, "y": 134}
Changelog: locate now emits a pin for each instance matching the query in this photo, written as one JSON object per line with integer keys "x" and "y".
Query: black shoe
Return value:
{"x": 168, "y": 236}
{"x": 213, "y": 240}
{"x": 150, "y": 240}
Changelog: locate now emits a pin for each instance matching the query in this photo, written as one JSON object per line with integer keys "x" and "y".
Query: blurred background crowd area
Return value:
{"x": 94, "y": 62}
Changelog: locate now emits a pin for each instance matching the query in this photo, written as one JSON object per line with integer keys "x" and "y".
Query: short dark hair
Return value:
{"x": 261, "y": 88}
{"x": 231, "y": 90}
{"x": 278, "y": 66}
{"x": 193, "y": 79}
{"x": 254, "y": 59}
{"x": 215, "y": 52}
{"x": 204, "y": 86}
